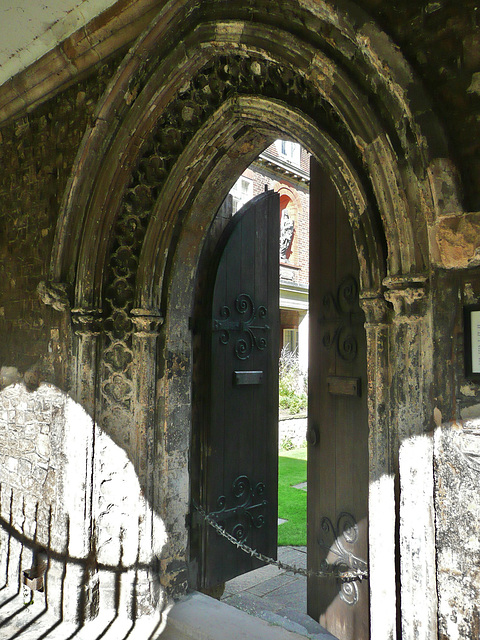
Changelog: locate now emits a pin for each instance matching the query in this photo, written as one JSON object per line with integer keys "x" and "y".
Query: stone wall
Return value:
{"x": 66, "y": 488}
{"x": 43, "y": 491}
{"x": 65, "y": 485}
{"x": 39, "y": 150}
{"x": 456, "y": 443}
{"x": 441, "y": 41}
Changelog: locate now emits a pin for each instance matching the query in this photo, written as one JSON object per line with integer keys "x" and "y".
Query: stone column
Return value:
{"x": 147, "y": 324}
{"x": 87, "y": 328}
{"x": 382, "y": 501}
{"x": 70, "y": 583}
{"x": 411, "y": 383}
{"x": 81, "y": 582}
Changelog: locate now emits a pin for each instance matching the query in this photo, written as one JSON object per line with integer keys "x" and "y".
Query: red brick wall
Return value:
{"x": 262, "y": 175}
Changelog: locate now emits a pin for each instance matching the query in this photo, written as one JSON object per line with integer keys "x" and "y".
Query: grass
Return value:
{"x": 292, "y": 503}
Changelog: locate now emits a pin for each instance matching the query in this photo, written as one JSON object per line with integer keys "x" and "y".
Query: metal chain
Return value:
{"x": 332, "y": 571}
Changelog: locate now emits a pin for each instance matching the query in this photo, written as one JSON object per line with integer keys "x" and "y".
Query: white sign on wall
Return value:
{"x": 475, "y": 336}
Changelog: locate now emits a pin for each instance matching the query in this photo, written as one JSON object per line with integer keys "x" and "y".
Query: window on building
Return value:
{"x": 289, "y": 151}
{"x": 242, "y": 192}
{"x": 290, "y": 340}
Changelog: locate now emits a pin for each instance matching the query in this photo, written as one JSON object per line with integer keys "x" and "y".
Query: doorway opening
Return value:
{"x": 336, "y": 423}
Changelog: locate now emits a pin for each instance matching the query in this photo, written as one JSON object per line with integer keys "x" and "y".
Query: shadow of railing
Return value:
{"x": 15, "y": 543}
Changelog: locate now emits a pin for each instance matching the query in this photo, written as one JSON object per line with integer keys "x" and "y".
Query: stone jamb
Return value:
{"x": 87, "y": 327}
{"x": 147, "y": 327}
{"x": 411, "y": 362}
{"x": 382, "y": 503}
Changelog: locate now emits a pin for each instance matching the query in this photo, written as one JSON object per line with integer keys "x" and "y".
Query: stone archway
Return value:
{"x": 203, "y": 92}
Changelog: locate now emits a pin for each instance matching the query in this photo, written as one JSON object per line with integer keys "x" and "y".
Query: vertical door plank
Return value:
{"x": 242, "y": 420}
{"x": 338, "y": 465}
{"x": 321, "y": 407}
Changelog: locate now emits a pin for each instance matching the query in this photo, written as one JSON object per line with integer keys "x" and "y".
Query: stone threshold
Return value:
{"x": 199, "y": 617}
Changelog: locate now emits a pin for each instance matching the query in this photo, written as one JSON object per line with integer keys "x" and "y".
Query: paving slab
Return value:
{"x": 296, "y": 556}
{"x": 198, "y": 617}
{"x": 310, "y": 625}
{"x": 251, "y": 603}
{"x": 277, "y": 596}
{"x": 304, "y": 626}
{"x": 249, "y": 580}
{"x": 301, "y": 485}
{"x": 291, "y": 596}
{"x": 266, "y": 587}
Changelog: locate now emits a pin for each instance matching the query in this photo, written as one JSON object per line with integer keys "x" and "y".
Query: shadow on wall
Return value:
{"x": 75, "y": 527}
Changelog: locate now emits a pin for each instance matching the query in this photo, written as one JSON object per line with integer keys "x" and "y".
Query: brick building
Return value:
{"x": 284, "y": 167}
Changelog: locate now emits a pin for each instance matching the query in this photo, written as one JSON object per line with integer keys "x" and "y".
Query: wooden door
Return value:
{"x": 234, "y": 478}
{"x": 337, "y": 418}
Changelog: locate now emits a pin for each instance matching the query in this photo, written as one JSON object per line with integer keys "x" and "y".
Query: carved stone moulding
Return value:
{"x": 54, "y": 294}
{"x": 87, "y": 321}
{"x": 375, "y": 308}
{"x": 407, "y": 294}
{"x": 147, "y": 322}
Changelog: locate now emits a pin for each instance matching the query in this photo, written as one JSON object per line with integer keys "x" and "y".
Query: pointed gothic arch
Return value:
{"x": 385, "y": 135}
{"x": 197, "y": 98}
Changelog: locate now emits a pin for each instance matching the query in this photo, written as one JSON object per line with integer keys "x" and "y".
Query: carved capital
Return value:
{"x": 407, "y": 294}
{"x": 147, "y": 322}
{"x": 87, "y": 322}
{"x": 376, "y": 310}
{"x": 54, "y": 294}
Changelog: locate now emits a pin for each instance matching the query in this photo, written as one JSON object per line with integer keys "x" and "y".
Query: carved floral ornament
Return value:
{"x": 407, "y": 294}
{"x": 147, "y": 323}
{"x": 54, "y": 294}
{"x": 90, "y": 320}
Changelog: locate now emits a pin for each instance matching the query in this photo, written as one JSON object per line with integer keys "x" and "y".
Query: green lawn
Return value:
{"x": 292, "y": 503}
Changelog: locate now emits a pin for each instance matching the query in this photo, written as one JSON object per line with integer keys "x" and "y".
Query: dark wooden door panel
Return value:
{"x": 338, "y": 461}
{"x": 237, "y": 474}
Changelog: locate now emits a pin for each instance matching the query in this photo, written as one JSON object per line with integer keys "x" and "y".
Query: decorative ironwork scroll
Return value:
{"x": 338, "y": 308}
{"x": 248, "y": 510}
{"x": 346, "y": 530}
{"x": 253, "y": 334}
